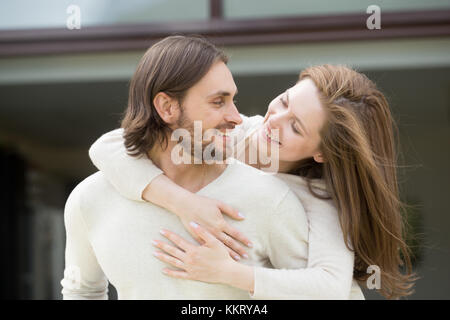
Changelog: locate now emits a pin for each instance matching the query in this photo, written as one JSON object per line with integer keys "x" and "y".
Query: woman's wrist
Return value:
{"x": 181, "y": 206}
{"x": 167, "y": 194}
{"x": 239, "y": 275}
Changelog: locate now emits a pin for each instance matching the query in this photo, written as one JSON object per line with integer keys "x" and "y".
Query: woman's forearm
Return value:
{"x": 129, "y": 175}
{"x": 165, "y": 193}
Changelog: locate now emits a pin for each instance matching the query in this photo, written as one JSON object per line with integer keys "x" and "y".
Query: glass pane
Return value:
{"x": 270, "y": 8}
{"x": 28, "y": 14}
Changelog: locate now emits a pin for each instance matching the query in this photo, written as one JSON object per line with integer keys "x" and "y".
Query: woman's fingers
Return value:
{"x": 175, "y": 252}
{"x": 230, "y": 211}
{"x": 203, "y": 233}
{"x": 237, "y": 235}
{"x": 196, "y": 237}
{"x": 213, "y": 241}
{"x": 233, "y": 254}
{"x": 176, "y": 274}
{"x": 169, "y": 259}
{"x": 179, "y": 241}
{"x": 232, "y": 244}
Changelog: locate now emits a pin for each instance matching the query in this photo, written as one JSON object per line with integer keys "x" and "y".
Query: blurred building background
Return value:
{"x": 60, "y": 89}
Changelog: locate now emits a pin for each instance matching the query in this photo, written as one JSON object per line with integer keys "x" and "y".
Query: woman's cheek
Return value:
{"x": 288, "y": 152}
{"x": 298, "y": 150}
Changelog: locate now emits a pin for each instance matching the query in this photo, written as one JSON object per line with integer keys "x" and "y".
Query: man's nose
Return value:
{"x": 233, "y": 115}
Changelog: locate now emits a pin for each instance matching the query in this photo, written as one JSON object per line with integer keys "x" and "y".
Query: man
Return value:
{"x": 178, "y": 80}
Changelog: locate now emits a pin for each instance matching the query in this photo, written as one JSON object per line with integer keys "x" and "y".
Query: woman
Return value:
{"x": 336, "y": 151}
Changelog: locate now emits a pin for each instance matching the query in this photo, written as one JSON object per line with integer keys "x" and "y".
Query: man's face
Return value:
{"x": 211, "y": 102}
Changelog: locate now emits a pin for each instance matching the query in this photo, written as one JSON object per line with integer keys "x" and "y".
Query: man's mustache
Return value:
{"x": 225, "y": 126}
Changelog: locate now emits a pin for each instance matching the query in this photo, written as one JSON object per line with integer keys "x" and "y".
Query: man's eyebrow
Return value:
{"x": 222, "y": 93}
{"x": 296, "y": 118}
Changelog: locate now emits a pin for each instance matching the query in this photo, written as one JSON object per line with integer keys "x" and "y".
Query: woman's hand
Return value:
{"x": 209, "y": 214}
{"x": 203, "y": 263}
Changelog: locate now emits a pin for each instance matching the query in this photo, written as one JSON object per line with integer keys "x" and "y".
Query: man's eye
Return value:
{"x": 283, "y": 102}
{"x": 218, "y": 102}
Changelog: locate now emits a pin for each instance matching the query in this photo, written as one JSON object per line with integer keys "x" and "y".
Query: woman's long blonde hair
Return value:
{"x": 360, "y": 171}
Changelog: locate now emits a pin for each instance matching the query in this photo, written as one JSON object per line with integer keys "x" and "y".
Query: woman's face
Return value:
{"x": 298, "y": 115}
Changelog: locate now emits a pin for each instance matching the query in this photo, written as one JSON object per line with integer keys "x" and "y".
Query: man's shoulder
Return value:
{"x": 94, "y": 183}
{"x": 93, "y": 189}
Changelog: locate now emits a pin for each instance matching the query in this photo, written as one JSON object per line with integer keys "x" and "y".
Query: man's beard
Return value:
{"x": 184, "y": 122}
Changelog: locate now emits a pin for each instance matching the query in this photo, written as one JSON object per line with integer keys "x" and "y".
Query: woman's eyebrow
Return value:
{"x": 296, "y": 118}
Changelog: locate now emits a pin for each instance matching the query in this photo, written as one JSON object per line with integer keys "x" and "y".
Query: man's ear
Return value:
{"x": 167, "y": 107}
{"x": 318, "y": 157}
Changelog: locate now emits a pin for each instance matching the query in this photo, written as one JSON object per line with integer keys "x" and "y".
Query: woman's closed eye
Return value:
{"x": 293, "y": 124}
{"x": 284, "y": 102}
{"x": 294, "y": 128}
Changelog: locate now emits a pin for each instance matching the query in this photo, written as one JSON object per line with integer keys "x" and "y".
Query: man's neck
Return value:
{"x": 192, "y": 177}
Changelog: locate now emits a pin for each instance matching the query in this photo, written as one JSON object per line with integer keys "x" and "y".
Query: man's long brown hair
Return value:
{"x": 360, "y": 171}
{"x": 173, "y": 66}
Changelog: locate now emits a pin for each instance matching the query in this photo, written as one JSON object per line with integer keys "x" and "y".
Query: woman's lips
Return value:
{"x": 269, "y": 137}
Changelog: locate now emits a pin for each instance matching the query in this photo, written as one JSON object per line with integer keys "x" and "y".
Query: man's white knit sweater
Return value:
{"x": 109, "y": 237}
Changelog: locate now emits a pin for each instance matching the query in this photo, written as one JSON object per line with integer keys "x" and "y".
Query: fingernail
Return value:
{"x": 241, "y": 215}
{"x": 237, "y": 257}
{"x": 156, "y": 254}
{"x": 193, "y": 224}
{"x": 245, "y": 256}
{"x": 154, "y": 242}
{"x": 250, "y": 245}
{"x": 162, "y": 232}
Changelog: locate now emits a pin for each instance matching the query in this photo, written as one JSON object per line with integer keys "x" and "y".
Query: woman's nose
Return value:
{"x": 276, "y": 119}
